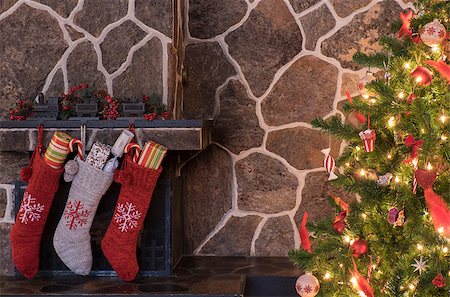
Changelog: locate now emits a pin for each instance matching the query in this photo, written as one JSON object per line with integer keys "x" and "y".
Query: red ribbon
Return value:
{"x": 304, "y": 234}
{"x": 362, "y": 284}
{"x": 359, "y": 116}
{"x": 406, "y": 24}
{"x": 437, "y": 207}
{"x": 442, "y": 67}
{"x": 415, "y": 146}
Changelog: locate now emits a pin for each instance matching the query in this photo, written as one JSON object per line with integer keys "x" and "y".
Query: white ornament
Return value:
{"x": 361, "y": 86}
{"x": 307, "y": 285}
{"x": 30, "y": 211}
{"x": 420, "y": 265}
{"x": 126, "y": 216}
{"x": 433, "y": 34}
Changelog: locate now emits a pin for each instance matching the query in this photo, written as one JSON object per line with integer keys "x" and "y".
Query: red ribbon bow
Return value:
{"x": 415, "y": 146}
{"x": 406, "y": 24}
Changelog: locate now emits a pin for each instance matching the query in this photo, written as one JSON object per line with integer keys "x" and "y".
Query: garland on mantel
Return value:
{"x": 109, "y": 108}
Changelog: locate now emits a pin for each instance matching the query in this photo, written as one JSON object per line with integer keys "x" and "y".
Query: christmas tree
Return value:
{"x": 395, "y": 240}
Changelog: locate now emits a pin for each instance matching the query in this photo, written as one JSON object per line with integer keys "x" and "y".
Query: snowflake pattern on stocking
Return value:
{"x": 75, "y": 214}
{"x": 126, "y": 216}
{"x": 30, "y": 211}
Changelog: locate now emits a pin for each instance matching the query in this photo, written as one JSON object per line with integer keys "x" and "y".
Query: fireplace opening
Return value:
{"x": 153, "y": 247}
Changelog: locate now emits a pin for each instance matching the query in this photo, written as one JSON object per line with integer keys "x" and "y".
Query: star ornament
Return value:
{"x": 420, "y": 265}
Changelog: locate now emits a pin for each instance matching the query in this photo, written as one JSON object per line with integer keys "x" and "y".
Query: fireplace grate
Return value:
{"x": 153, "y": 247}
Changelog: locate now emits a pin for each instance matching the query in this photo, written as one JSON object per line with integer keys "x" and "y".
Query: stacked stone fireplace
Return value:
{"x": 261, "y": 69}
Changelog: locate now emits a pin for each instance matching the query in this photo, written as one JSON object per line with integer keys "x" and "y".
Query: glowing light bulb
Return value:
{"x": 347, "y": 239}
{"x": 389, "y": 156}
{"x": 374, "y": 266}
{"x": 358, "y": 148}
{"x": 391, "y": 122}
{"x": 354, "y": 281}
{"x": 422, "y": 131}
{"x": 361, "y": 293}
{"x": 401, "y": 95}
{"x": 406, "y": 65}
{"x": 362, "y": 172}
{"x": 327, "y": 275}
{"x": 443, "y": 119}
{"x": 397, "y": 179}
{"x": 347, "y": 164}
{"x": 402, "y": 287}
{"x": 444, "y": 137}
{"x": 365, "y": 96}
{"x": 415, "y": 162}
{"x": 364, "y": 216}
{"x": 435, "y": 48}
{"x": 373, "y": 100}
{"x": 419, "y": 247}
{"x": 411, "y": 287}
{"x": 441, "y": 230}
{"x": 429, "y": 167}
{"x": 341, "y": 265}
{"x": 445, "y": 249}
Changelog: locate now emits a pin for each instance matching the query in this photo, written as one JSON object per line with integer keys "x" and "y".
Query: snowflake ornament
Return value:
{"x": 75, "y": 214}
{"x": 420, "y": 265}
{"x": 126, "y": 216}
{"x": 30, "y": 211}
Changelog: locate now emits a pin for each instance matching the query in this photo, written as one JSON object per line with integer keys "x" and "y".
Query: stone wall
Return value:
{"x": 263, "y": 69}
{"x": 123, "y": 46}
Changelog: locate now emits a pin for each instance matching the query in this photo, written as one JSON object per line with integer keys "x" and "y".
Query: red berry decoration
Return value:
{"x": 439, "y": 281}
{"x": 12, "y": 118}
{"x": 165, "y": 115}
{"x": 359, "y": 248}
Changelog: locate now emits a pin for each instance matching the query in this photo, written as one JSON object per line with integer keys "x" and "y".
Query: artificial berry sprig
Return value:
{"x": 21, "y": 110}
{"x": 111, "y": 108}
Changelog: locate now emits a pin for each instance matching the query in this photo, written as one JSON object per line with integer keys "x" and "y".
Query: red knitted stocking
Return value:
{"x": 27, "y": 231}
{"x": 119, "y": 242}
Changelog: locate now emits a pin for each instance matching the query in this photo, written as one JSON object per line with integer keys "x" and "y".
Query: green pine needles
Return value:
{"x": 399, "y": 105}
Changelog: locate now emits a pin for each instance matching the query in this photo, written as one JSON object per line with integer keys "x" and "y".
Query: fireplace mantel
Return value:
{"x": 176, "y": 135}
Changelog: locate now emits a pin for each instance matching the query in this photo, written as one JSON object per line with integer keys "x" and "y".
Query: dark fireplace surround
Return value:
{"x": 160, "y": 244}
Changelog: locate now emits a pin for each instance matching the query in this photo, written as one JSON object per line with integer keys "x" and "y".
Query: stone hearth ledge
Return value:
{"x": 175, "y": 135}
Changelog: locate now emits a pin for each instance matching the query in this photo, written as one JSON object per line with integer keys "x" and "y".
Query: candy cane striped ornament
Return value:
{"x": 137, "y": 150}
{"x": 79, "y": 144}
{"x": 329, "y": 163}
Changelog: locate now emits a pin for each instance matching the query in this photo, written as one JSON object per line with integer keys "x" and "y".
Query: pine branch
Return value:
{"x": 335, "y": 127}
{"x": 372, "y": 60}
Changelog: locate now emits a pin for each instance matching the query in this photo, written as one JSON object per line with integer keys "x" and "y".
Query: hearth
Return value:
{"x": 153, "y": 247}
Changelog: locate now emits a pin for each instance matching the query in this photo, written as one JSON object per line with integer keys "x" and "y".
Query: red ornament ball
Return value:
{"x": 422, "y": 76}
{"x": 65, "y": 107}
{"x": 359, "y": 248}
